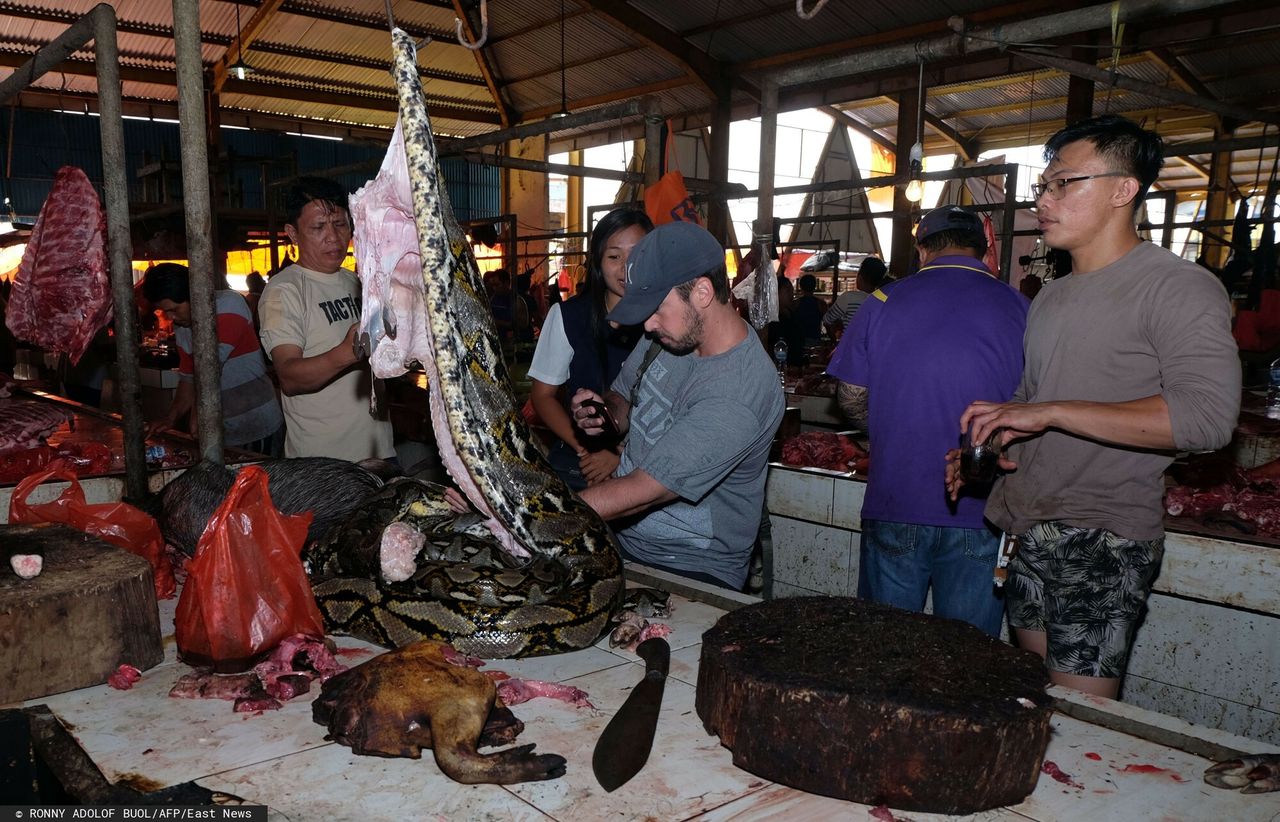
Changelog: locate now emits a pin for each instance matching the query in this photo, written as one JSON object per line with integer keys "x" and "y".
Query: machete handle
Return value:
{"x": 656, "y": 654}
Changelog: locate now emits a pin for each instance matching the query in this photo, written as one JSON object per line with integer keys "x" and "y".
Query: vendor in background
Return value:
{"x": 309, "y": 314}
{"x": 699, "y": 407}
{"x": 1128, "y": 359}
{"x": 580, "y": 348}
{"x": 870, "y": 275}
{"x": 914, "y": 357}
{"x": 254, "y": 283}
{"x": 251, "y": 417}
{"x": 806, "y": 319}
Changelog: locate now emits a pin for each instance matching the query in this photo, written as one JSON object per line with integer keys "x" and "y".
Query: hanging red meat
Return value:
{"x": 62, "y": 294}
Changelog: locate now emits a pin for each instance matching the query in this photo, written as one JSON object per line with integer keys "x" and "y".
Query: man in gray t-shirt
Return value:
{"x": 1128, "y": 359}
{"x": 699, "y": 412}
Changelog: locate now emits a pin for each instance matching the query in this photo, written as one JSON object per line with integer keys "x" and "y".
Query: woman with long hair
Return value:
{"x": 579, "y": 348}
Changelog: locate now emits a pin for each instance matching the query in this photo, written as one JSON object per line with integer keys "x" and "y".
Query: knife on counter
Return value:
{"x": 624, "y": 746}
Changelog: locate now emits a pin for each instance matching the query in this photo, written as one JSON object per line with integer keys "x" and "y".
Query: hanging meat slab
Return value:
{"x": 864, "y": 702}
{"x": 62, "y": 294}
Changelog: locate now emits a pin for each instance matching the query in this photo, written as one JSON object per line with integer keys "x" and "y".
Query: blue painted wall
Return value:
{"x": 37, "y": 143}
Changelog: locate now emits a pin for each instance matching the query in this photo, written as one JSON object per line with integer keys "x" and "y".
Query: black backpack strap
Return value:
{"x": 650, "y": 354}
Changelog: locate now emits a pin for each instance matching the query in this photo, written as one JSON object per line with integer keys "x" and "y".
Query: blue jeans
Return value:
{"x": 898, "y": 561}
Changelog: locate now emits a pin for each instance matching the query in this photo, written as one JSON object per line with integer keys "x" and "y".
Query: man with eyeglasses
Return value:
{"x": 1127, "y": 360}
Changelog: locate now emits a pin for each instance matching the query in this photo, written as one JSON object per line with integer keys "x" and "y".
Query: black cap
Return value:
{"x": 948, "y": 218}
{"x": 671, "y": 254}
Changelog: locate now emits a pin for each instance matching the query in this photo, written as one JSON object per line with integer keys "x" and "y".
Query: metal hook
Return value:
{"x": 808, "y": 15}
{"x": 484, "y": 28}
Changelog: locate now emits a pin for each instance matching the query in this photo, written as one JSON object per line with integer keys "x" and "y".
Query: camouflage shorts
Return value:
{"x": 1086, "y": 589}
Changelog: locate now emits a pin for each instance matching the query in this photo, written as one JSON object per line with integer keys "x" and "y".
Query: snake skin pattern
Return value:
{"x": 562, "y": 595}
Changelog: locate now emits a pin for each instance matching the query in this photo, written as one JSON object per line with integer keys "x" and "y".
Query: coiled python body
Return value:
{"x": 561, "y": 597}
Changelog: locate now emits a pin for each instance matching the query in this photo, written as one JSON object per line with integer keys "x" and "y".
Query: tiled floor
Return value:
{"x": 281, "y": 759}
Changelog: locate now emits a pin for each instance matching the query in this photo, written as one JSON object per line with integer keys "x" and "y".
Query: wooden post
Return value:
{"x": 902, "y": 244}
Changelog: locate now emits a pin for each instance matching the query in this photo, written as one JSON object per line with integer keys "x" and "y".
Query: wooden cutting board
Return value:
{"x": 90, "y": 610}
{"x": 860, "y": 701}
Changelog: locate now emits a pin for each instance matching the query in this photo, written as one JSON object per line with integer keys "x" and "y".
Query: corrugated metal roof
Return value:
{"x": 323, "y": 62}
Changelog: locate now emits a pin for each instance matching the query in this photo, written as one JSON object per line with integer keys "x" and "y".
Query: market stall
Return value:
{"x": 1206, "y": 652}
{"x": 1121, "y": 762}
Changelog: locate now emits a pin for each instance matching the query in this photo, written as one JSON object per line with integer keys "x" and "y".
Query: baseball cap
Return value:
{"x": 948, "y": 218}
{"x": 671, "y": 254}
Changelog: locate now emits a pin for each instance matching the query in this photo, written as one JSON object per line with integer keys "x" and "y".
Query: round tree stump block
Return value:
{"x": 859, "y": 701}
{"x": 91, "y": 609}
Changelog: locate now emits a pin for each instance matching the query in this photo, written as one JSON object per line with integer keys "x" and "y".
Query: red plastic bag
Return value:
{"x": 118, "y": 523}
{"x": 246, "y": 589}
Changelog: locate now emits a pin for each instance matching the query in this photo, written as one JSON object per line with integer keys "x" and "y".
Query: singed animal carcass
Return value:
{"x": 561, "y": 576}
{"x": 414, "y": 698}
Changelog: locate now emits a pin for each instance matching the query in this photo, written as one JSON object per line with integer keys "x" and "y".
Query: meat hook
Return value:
{"x": 484, "y": 28}
{"x": 808, "y": 15}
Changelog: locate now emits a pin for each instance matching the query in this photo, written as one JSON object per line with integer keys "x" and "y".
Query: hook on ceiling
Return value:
{"x": 484, "y": 28}
{"x": 808, "y": 15}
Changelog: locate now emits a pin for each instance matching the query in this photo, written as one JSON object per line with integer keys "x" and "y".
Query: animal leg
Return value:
{"x": 1255, "y": 774}
{"x": 455, "y": 731}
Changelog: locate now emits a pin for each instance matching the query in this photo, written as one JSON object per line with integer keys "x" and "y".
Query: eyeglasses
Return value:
{"x": 1057, "y": 188}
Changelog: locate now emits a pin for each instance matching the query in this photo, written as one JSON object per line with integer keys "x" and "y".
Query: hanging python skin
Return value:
{"x": 547, "y": 577}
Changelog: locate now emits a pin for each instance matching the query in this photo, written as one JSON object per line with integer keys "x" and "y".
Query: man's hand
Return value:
{"x": 1019, "y": 420}
{"x": 598, "y": 466}
{"x": 586, "y": 418}
{"x": 158, "y": 426}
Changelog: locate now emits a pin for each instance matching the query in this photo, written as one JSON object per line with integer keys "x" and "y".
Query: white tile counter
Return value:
{"x": 281, "y": 759}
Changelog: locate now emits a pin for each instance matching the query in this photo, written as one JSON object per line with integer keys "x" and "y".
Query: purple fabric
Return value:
{"x": 926, "y": 347}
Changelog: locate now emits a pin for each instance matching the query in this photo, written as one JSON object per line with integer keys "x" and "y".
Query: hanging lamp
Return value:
{"x": 239, "y": 68}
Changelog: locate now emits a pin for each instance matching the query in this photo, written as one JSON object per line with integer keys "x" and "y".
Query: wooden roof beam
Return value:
{"x": 484, "y": 63}
{"x": 1178, "y": 72}
{"x": 610, "y": 97}
{"x": 1203, "y": 171}
{"x": 847, "y": 119}
{"x": 966, "y": 146}
{"x": 161, "y": 32}
{"x": 243, "y": 39}
{"x": 705, "y": 72}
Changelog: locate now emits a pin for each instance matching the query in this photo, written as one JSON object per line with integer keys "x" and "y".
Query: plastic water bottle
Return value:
{"x": 1273, "y": 391}
{"x": 780, "y": 357}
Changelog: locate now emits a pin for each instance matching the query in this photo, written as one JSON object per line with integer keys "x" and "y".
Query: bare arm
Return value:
{"x": 1142, "y": 423}
{"x": 853, "y": 403}
{"x": 302, "y": 375}
{"x": 545, "y": 402}
{"x": 184, "y": 397}
{"x": 635, "y": 493}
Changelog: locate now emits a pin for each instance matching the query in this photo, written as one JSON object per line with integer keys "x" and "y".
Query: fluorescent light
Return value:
{"x": 234, "y": 128}
{"x": 314, "y": 136}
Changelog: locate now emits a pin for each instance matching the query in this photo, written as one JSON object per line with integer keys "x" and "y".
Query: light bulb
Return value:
{"x": 914, "y": 191}
{"x": 239, "y": 71}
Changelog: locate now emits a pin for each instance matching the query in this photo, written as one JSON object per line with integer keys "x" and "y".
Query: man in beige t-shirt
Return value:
{"x": 308, "y": 315}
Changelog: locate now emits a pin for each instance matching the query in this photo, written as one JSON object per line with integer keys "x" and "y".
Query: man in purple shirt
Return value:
{"x": 916, "y": 354}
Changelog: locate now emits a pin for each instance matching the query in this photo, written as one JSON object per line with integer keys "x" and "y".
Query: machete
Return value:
{"x": 624, "y": 746}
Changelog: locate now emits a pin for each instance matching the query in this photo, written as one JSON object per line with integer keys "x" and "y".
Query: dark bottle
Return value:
{"x": 978, "y": 465}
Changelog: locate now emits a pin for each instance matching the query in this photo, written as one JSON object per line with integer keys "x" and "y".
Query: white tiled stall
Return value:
{"x": 1208, "y": 651}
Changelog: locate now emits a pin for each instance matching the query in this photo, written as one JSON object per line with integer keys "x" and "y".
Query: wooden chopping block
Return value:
{"x": 90, "y": 610}
{"x": 860, "y": 701}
